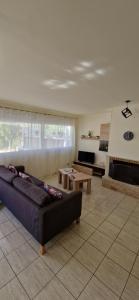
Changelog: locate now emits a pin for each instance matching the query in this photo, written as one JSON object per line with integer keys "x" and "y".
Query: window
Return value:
{"x": 16, "y": 136}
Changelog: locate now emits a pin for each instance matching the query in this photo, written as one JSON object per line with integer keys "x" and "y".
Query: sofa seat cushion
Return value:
{"x": 36, "y": 194}
{"x": 6, "y": 175}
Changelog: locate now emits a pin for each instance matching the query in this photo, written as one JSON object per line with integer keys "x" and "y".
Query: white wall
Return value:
{"x": 92, "y": 122}
{"x": 118, "y": 146}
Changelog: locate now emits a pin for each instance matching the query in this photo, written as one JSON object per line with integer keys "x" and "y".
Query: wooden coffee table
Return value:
{"x": 77, "y": 179}
{"x": 63, "y": 176}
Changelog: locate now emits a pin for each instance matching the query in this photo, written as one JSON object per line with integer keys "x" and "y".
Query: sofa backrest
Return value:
{"x": 6, "y": 175}
{"x": 35, "y": 193}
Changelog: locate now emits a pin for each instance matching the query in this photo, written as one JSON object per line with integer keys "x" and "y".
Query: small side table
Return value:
{"x": 77, "y": 180}
{"x": 63, "y": 176}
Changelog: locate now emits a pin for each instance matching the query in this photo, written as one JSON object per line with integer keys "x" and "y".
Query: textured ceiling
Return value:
{"x": 75, "y": 56}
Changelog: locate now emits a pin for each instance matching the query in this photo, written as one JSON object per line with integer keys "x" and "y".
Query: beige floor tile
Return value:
{"x": 11, "y": 217}
{"x": 6, "y": 228}
{"x": 131, "y": 291}
{"x": 109, "y": 229}
{"x": 83, "y": 229}
{"x": 20, "y": 258}
{"x": 1, "y": 254}
{"x": 71, "y": 241}
{"x": 128, "y": 240}
{"x": 74, "y": 276}
{"x": 122, "y": 256}
{"x": 94, "y": 219}
{"x": 13, "y": 291}
{"x": 112, "y": 275}
{"x": 100, "y": 241}
{"x": 119, "y": 221}
{"x": 128, "y": 203}
{"x": 54, "y": 291}
{"x": 27, "y": 236}
{"x": 35, "y": 277}
{"x": 134, "y": 219}
{"x": 56, "y": 257}
{"x": 89, "y": 204}
{"x": 89, "y": 256}
{"x": 132, "y": 228}
{"x": 118, "y": 211}
{"x": 84, "y": 213}
{"x": 95, "y": 290}
{"x": 15, "y": 222}
{"x": 11, "y": 242}
{"x": 135, "y": 270}
{"x": 6, "y": 273}
{"x": 3, "y": 217}
{"x": 34, "y": 244}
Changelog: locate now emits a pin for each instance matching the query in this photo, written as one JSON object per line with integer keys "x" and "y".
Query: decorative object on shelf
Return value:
{"x": 97, "y": 136}
{"x": 83, "y": 136}
{"x": 126, "y": 112}
{"x": 90, "y": 133}
{"x": 128, "y": 135}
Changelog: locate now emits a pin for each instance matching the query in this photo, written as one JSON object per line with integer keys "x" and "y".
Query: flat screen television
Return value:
{"x": 88, "y": 157}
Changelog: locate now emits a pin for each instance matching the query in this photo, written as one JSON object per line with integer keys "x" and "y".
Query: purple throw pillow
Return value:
{"x": 53, "y": 192}
{"x": 12, "y": 169}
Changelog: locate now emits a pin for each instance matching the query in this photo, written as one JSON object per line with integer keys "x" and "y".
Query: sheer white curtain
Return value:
{"x": 43, "y": 143}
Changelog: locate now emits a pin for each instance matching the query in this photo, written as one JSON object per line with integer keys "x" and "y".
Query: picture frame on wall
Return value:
{"x": 103, "y": 145}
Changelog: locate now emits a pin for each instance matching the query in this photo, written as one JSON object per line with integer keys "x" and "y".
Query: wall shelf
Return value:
{"x": 90, "y": 138}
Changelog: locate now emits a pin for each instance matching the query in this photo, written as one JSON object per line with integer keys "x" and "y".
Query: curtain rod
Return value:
{"x": 35, "y": 112}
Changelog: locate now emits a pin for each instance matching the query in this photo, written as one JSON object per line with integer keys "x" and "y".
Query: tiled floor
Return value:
{"x": 97, "y": 259}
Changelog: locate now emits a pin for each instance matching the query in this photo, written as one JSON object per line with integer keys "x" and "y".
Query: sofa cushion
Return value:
{"x": 38, "y": 195}
{"x": 25, "y": 176}
{"x": 6, "y": 175}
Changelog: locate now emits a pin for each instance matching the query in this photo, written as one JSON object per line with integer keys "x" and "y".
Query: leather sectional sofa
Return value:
{"x": 41, "y": 215}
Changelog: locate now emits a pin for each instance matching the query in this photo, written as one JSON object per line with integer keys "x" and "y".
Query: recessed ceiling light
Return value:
{"x": 54, "y": 84}
{"x": 86, "y": 64}
{"x": 50, "y": 82}
{"x": 71, "y": 82}
{"x": 63, "y": 86}
{"x": 89, "y": 76}
{"x": 69, "y": 71}
{"x": 100, "y": 71}
{"x": 79, "y": 69}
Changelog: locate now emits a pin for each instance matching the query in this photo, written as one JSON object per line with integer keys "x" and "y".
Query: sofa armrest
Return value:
{"x": 60, "y": 214}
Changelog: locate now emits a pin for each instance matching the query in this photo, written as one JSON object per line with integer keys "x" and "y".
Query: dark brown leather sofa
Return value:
{"x": 41, "y": 215}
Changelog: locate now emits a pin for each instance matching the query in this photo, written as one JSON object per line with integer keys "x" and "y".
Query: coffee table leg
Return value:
{"x": 59, "y": 177}
{"x": 88, "y": 186}
{"x": 64, "y": 181}
{"x": 68, "y": 182}
{"x": 76, "y": 186}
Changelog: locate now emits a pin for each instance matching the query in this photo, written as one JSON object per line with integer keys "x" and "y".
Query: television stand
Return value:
{"x": 97, "y": 169}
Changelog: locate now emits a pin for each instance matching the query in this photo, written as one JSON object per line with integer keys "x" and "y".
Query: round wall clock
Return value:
{"x": 128, "y": 135}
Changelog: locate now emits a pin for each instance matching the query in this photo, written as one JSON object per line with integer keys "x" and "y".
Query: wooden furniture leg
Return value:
{"x": 64, "y": 181}
{"x": 68, "y": 183}
{"x": 88, "y": 186}
{"x": 76, "y": 186}
{"x": 42, "y": 249}
{"x": 59, "y": 177}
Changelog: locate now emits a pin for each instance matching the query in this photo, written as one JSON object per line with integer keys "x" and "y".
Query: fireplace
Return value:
{"x": 125, "y": 171}
{"x": 122, "y": 175}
